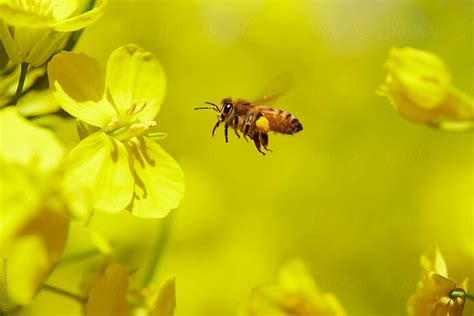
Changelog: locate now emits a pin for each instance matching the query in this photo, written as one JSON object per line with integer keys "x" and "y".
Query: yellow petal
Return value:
{"x": 77, "y": 82}
{"x": 37, "y": 102}
{"x": 108, "y": 296}
{"x": 433, "y": 261}
{"x": 422, "y": 76}
{"x": 165, "y": 303}
{"x": 24, "y": 143}
{"x": 19, "y": 16}
{"x": 159, "y": 180}
{"x": 135, "y": 75}
{"x": 99, "y": 164}
{"x": 293, "y": 292}
{"x": 81, "y": 20}
{"x": 42, "y": 237}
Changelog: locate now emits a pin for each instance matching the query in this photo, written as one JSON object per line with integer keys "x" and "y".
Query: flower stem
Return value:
{"x": 21, "y": 82}
{"x": 461, "y": 294}
{"x": 160, "y": 246}
{"x": 62, "y": 292}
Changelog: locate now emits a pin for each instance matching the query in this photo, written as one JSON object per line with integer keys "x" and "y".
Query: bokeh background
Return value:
{"x": 359, "y": 194}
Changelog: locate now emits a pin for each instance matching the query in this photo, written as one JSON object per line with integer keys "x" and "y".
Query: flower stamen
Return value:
{"x": 136, "y": 107}
{"x": 113, "y": 124}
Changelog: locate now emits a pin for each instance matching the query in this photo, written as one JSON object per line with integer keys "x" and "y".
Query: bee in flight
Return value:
{"x": 254, "y": 119}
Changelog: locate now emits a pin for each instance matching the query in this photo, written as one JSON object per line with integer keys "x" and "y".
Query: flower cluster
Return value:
{"x": 116, "y": 166}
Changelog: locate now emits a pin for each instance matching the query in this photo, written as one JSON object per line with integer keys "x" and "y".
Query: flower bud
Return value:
{"x": 418, "y": 85}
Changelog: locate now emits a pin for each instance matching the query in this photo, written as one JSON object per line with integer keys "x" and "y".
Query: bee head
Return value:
{"x": 226, "y": 108}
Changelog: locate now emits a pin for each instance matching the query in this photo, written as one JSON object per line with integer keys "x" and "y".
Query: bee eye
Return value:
{"x": 227, "y": 108}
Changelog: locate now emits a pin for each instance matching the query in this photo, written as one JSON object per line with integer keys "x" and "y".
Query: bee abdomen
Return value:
{"x": 282, "y": 122}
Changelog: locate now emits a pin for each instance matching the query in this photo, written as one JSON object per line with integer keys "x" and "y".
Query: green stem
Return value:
{"x": 461, "y": 294}
{"x": 62, "y": 292}
{"x": 21, "y": 82}
{"x": 160, "y": 246}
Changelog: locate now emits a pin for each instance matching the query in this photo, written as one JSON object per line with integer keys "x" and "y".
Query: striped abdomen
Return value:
{"x": 281, "y": 121}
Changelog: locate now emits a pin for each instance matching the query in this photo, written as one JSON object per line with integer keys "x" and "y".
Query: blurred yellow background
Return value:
{"x": 359, "y": 194}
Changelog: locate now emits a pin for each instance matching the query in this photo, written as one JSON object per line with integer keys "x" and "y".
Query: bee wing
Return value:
{"x": 275, "y": 89}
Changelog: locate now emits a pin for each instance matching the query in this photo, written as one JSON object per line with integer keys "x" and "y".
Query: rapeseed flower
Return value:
{"x": 108, "y": 292}
{"x": 419, "y": 86}
{"x": 118, "y": 161}
{"x": 295, "y": 293}
{"x": 33, "y": 30}
{"x": 435, "y": 290}
{"x": 34, "y": 216}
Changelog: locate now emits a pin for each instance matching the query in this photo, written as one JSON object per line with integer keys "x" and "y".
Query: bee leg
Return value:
{"x": 226, "y": 133}
{"x": 264, "y": 139}
{"x": 245, "y": 131}
{"x": 256, "y": 139}
{"x": 246, "y": 128}
{"x": 215, "y": 126}
{"x": 236, "y": 123}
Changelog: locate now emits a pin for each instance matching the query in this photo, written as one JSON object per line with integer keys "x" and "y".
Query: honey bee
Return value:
{"x": 256, "y": 118}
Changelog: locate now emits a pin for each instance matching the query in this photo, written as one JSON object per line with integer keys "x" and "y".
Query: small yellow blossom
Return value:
{"x": 118, "y": 160}
{"x": 294, "y": 293}
{"x": 156, "y": 301}
{"x": 433, "y": 294}
{"x": 34, "y": 217}
{"x": 108, "y": 293}
{"x": 418, "y": 84}
{"x": 164, "y": 302}
{"x": 33, "y": 31}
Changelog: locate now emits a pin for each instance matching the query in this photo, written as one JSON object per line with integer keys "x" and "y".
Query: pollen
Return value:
{"x": 263, "y": 125}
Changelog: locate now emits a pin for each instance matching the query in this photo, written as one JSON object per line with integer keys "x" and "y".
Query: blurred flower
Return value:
{"x": 434, "y": 289}
{"x": 164, "y": 301}
{"x": 295, "y": 293}
{"x": 33, "y": 31}
{"x": 118, "y": 161}
{"x": 108, "y": 292}
{"x": 157, "y": 302}
{"x": 34, "y": 218}
{"x": 9, "y": 80}
{"x": 418, "y": 84}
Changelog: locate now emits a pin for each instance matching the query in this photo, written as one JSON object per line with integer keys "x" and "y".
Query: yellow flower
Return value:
{"x": 434, "y": 289}
{"x": 418, "y": 84}
{"x": 34, "y": 218}
{"x": 34, "y": 30}
{"x": 118, "y": 162}
{"x": 155, "y": 301}
{"x": 108, "y": 293}
{"x": 294, "y": 293}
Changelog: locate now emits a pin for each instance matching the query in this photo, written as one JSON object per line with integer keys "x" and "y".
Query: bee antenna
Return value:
{"x": 206, "y": 108}
{"x": 214, "y": 107}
